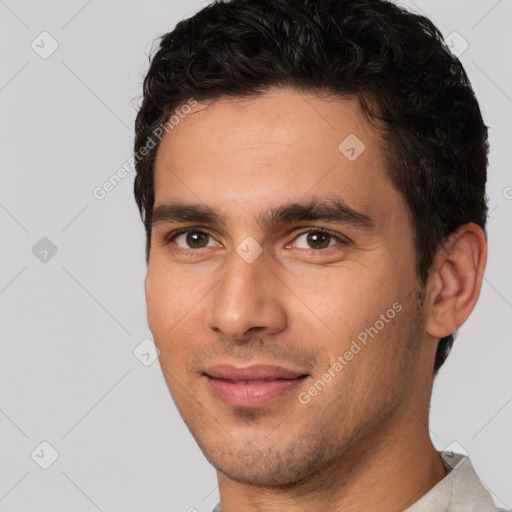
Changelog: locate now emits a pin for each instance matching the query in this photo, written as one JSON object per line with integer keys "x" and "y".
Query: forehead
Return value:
{"x": 240, "y": 153}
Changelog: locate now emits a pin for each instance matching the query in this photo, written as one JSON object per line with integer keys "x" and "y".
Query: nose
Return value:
{"x": 248, "y": 297}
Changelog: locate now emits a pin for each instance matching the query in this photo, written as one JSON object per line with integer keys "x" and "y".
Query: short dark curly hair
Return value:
{"x": 392, "y": 60}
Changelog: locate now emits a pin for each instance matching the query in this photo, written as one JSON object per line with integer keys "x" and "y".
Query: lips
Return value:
{"x": 253, "y": 386}
{"x": 252, "y": 373}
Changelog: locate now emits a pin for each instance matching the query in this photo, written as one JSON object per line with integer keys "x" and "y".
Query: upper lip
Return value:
{"x": 254, "y": 372}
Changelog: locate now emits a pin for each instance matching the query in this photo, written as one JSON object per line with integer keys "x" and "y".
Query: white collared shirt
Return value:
{"x": 459, "y": 491}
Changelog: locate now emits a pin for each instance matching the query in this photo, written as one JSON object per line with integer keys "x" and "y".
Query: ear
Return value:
{"x": 456, "y": 280}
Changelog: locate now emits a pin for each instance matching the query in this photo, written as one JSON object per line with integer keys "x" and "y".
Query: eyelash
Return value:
{"x": 193, "y": 252}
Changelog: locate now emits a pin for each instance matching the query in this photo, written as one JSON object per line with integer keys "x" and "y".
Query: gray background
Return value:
{"x": 71, "y": 320}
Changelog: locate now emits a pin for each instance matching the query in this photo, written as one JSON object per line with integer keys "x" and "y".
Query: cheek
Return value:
{"x": 344, "y": 302}
{"x": 169, "y": 301}
{"x": 365, "y": 315}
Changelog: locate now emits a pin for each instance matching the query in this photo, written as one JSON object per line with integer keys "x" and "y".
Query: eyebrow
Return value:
{"x": 326, "y": 209}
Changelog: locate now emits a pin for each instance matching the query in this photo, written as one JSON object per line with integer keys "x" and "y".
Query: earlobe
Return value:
{"x": 456, "y": 280}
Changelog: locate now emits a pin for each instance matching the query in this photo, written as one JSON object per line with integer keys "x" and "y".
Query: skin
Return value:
{"x": 300, "y": 304}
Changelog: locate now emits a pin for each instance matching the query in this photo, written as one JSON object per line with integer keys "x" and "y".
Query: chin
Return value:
{"x": 251, "y": 465}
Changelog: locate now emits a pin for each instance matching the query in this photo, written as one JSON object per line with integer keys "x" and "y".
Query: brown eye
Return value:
{"x": 192, "y": 239}
{"x": 197, "y": 239}
{"x": 316, "y": 239}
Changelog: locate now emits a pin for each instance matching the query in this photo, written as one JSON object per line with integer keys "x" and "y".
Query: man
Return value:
{"x": 311, "y": 175}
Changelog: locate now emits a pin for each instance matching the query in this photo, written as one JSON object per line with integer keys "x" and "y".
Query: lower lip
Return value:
{"x": 251, "y": 395}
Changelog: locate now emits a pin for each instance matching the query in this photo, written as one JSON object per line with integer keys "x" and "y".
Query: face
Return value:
{"x": 281, "y": 286}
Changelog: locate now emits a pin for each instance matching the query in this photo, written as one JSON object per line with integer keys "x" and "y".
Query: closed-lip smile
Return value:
{"x": 251, "y": 386}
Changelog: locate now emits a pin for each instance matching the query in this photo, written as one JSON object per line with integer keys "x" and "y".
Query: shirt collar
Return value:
{"x": 459, "y": 491}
